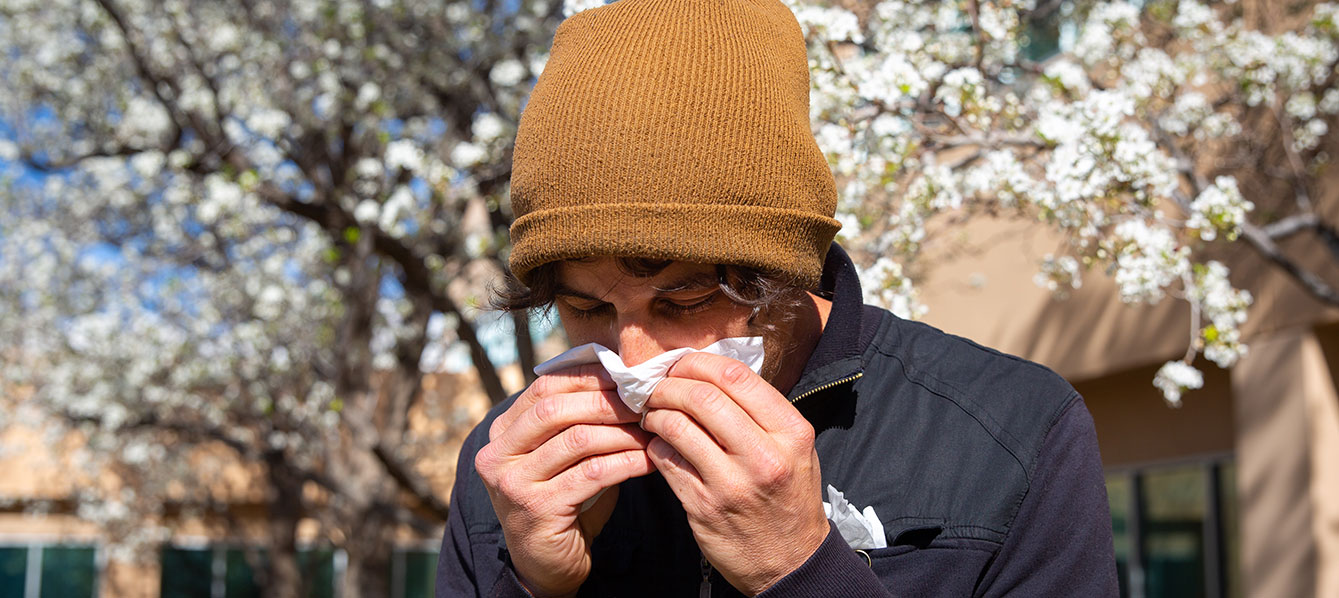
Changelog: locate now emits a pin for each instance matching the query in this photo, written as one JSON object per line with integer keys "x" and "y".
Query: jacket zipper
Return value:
{"x": 704, "y": 590}
{"x": 824, "y": 387}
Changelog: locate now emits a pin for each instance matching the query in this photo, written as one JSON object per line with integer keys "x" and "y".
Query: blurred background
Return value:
{"x": 246, "y": 250}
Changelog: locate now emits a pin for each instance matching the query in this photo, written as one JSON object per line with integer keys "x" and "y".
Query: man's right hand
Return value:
{"x": 566, "y": 438}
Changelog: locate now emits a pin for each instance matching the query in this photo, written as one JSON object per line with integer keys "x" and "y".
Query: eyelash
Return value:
{"x": 669, "y": 307}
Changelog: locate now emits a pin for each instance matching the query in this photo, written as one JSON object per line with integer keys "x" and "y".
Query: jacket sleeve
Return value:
{"x": 1060, "y": 541}
{"x": 833, "y": 570}
{"x": 472, "y": 561}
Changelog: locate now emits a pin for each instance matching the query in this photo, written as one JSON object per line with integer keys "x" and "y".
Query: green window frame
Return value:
{"x": 225, "y": 571}
{"x": 49, "y": 569}
{"x": 413, "y": 572}
{"x": 1175, "y": 528}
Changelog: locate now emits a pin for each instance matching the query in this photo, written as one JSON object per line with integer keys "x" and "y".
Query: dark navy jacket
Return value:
{"x": 982, "y": 467}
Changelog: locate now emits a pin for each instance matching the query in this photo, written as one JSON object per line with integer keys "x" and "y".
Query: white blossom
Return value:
{"x": 404, "y": 153}
{"x": 1059, "y": 274}
{"x": 1175, "y": 378}
{"x": 488, "y": 127}
{"x": 1219, "y": 208}
{"x": 1069, "y": 76}
{"x": 367, "y": 212}
{"x": 1225, "y": 309}
{"x": 1148, "y": 260}
{"x": 467, "y": 154}
{"x": 571, "y": 7}
{"x": 885, "y": 285}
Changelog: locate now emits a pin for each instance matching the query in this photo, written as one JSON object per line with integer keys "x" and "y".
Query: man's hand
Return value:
{"x": 741, "y": 458}
{"x": 567, "y": 437}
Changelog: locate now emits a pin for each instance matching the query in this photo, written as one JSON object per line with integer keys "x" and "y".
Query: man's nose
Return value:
{"x": 636, "y": 345}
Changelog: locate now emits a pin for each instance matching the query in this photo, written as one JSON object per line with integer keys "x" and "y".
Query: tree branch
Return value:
{"x": 1302, "y": 197}
{"x": 51, "y": 166}
{"x": 417, "y": 278}
{"x": 1313, "y": 284}
{"x": 1289, "y": 226}
{"x": 411, "y": 482}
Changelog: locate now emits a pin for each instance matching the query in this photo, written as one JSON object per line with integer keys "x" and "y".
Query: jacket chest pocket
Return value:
{"x": 930, "y": 571}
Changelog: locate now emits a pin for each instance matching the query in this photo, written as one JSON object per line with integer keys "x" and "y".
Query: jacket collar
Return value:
{"x": 838, "y": 355}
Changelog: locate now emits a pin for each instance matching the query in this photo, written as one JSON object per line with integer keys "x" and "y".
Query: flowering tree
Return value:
{"x": 222, "y": 221}
{"x": 1135, "y": 143}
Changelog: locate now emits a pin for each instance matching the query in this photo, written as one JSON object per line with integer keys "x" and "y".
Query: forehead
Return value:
{"x": 601, "y": 276}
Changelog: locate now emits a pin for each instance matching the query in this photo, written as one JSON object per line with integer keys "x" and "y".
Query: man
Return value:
{"x": 669, "y": 194}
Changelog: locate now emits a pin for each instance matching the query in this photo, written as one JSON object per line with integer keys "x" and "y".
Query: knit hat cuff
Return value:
{"x": 775, "y": 240}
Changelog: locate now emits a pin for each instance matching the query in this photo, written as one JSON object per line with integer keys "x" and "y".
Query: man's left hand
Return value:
{"x": 742, "y": 461}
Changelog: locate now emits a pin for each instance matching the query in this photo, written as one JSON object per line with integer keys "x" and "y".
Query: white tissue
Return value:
{"x": 636, "y": 383}
{"x": 860, "y": 530}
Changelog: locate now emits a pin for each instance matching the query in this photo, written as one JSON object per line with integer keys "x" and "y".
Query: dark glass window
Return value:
{"x": 13, "y": 571}
{"x": 220, "y": 572}
{"x": 68, "y": 571}
{"x": 1175, "y": 530}
{"x": 1174, "y": 514}
{"x": 1118, "y": 493}
{"x": 186, "y": 573}
{"x": 420, "y": 569}
{"x": 318, "y": 569}
{"x": 239, "y": 577}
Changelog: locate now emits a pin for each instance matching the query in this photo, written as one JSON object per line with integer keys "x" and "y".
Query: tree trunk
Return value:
{"x": 369, "y": 547}
{"x": 525, "y": 345}
{"x": 279, "y": 576}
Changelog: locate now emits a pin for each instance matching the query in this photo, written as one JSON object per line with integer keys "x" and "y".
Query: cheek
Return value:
{"x": 580, "y": 331}
{"x": 774, "y": 349}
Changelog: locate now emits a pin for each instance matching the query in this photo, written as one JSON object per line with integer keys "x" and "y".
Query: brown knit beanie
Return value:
{"x": 674, "y": 129}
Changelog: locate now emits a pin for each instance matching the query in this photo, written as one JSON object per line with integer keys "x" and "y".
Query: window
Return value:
{"x": 1175, "y": 529}
{"x": 42, "y": 571}
{"x": 228, "y": 572}
{"x": 413, "y": 573}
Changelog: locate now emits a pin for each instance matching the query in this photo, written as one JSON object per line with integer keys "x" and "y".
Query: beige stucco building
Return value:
{"x": 1253, "y": 456}
{"x": 1236, "y": 493}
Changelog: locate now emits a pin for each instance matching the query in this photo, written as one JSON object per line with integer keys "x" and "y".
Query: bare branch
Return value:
{"x": 1302, "y": 197}
{"x": 417, "y": 278}
{"x": 51, "y": 166}
{"x": 978, "y": 36}
{"x": 1289, "y": 226}
{"x": 411, "y": 482}
{"x": 1313, "y": 284}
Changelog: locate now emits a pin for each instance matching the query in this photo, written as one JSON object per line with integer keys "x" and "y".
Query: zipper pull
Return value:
{"x": 704, "y": 590}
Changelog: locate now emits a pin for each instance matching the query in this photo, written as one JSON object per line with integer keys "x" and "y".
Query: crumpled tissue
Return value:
{"x": 861, "y": 530}
{"x": 636, "y": 383}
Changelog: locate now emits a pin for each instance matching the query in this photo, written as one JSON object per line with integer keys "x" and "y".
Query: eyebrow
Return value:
{"x": 700, "y": 280}
{"x": 562, "y": 289}
{"x": 692, "y": 282}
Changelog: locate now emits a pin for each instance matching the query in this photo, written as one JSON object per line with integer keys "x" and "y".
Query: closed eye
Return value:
{"x": 586, "y": 308}
{"x": 680, "y": 308}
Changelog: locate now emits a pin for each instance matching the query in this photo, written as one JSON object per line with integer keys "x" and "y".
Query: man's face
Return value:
{"x": 641, "y": 317}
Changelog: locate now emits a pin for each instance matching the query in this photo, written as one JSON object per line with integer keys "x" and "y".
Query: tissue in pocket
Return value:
{"x": 636, "y": 383}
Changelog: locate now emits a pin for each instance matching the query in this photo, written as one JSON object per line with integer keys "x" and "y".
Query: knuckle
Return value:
{"x": 593, "y": 469}
{"x": 602, "y": 405}
{"x": 577, "y": 438}
{"x": 547, "y": 410}
{"x": 484, "y": 461}
{"x": 772, "y": 472}
{"x": 590, "y": 375}
{"x": 706, "y": 398}
{"x": 542, "y": 386}
{"x": 508, "y": 486}
{"x": 736, "y": 374}
{"x": 673, "y": 426}
{"x": 804, "y": 435}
